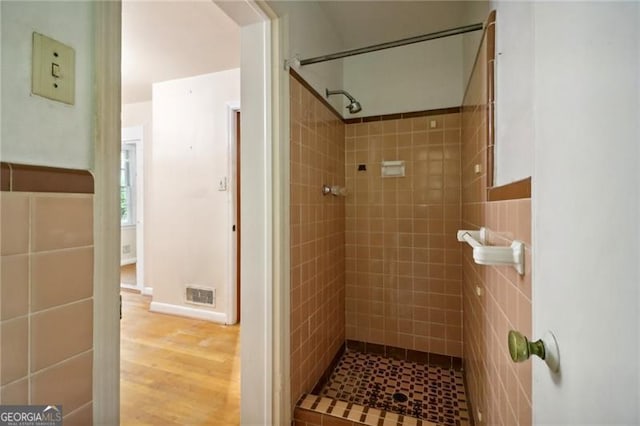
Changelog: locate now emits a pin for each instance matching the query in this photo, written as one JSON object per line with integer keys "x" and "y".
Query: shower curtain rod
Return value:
{"x": 391, "y": 44}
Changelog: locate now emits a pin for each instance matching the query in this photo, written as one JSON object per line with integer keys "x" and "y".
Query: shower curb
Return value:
{"x": 314, "y": 409}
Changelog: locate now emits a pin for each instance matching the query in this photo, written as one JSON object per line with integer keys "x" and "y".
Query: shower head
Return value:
{"x": 353, "y": 107}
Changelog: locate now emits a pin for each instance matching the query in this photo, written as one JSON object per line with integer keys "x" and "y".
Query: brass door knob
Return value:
{"x": 521, "y": 349}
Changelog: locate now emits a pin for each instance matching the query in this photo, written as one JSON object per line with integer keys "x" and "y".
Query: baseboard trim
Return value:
{"x": 130, "y": 287}
{"x": 184, "y": 311}
{"x": 131, "y": 261}
{"x": 327, "y": 372}
{"x": 147, "y": 291}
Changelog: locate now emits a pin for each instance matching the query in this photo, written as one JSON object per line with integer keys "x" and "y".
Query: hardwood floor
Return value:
{"x": 177, "y": 371}
{"x": 128, "y": 274}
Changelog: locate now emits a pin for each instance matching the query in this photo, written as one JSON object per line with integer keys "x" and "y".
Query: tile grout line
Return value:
{"x": 29, "y": 278}
{"x": 63, "y": 249}
{"x": 78, "y": 409}
{"x": 51, "y": 308}
{"x": 59, "y": 363}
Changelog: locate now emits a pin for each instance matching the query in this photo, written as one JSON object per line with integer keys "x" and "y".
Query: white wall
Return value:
{"x": 514, "y": 91}
{"x": 36, "y": 130}
{"x": 422, "y": 76}
{"x": 128, "y": 238}
{"x": 416, "y": 77}
{"x": 189, "y": 225}
{"x": 412, "y": 78}
{"x": 476, "y": 11}
{"x": 311, "y": 34}
{"x": 586, "y": 209}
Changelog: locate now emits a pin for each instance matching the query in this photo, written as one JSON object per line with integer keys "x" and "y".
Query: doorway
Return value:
{"x": 132, "y": 210}
{"x": 238, "y": 207}
{"x": 235, "y": 146}
{"x": 265, "y": 404}
{"x": 157, "y": 338}
{"x": 187, "y": 104}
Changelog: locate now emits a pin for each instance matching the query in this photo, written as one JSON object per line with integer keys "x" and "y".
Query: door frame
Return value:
{"x": 264, "y": 376}
{"x": 106, "y": 280}
{"x": 233, "y": 243}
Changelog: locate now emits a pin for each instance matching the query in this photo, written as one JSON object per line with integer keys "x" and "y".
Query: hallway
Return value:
{"x": 177, "y": 370}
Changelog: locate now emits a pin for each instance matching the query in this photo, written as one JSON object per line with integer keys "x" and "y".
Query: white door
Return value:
{"x": 586, "y": 211}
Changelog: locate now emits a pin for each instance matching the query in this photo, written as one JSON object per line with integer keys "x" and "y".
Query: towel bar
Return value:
{"x": 491, "y": 255}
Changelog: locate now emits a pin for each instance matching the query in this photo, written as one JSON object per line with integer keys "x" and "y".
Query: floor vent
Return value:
{"x": 201, "y": 296}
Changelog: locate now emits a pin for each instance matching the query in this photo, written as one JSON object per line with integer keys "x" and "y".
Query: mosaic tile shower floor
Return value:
{"x": 432, "y": 393}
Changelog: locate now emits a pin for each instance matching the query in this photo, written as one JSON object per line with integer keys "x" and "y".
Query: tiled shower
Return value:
{"x": 403, "y": 275}
{"x": 317, "y": 239}
{"x": 379, "y": 272}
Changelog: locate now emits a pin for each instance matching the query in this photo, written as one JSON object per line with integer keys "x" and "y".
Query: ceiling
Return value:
{"x": 168, "y": 39}
{"x": 362, "y": 23}
{"x": 165, "y": 40}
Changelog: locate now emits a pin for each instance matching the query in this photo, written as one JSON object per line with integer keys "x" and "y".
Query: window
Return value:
{"x": 127, "y": 185}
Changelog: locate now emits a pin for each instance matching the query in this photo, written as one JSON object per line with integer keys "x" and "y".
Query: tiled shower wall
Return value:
{"x": 317, "y": 239}
{"x": 46, "y": 295}
{"x": 496, "y": 299}
{"x": 403, "y": 261}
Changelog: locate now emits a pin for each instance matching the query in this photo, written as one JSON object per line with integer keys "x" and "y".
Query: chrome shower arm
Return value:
{"x": 353, "y": 107}
{"x": 339, "y": 92}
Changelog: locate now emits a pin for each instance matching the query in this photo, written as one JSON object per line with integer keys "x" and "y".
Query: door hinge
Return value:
{"x": 233, "y": 228}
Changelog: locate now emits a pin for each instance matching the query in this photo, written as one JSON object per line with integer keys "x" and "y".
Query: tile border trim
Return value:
{"x": 323, "y": 406}
{"x": 472, "y": 416}
{"x": 348, "y": 413}
{"x": 511, "y": 191}
{"x": 412, "y": 114}
{"x": 433, "y": 359}
{"x": 368, "y": 119}
{"x": 491, "y": 20}
{"x": 28, "y": 178}
{"x": 329, "y": 370}
{"x": 490, "y": 34}
{"x": 317, "y": 95}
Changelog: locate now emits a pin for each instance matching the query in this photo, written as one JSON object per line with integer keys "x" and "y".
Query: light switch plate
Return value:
{"x": 222, "y": 184}
{"x": 54, "y": 70}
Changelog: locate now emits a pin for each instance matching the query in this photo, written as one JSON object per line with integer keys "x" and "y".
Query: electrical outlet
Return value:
{"x": 126, "y": 249}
